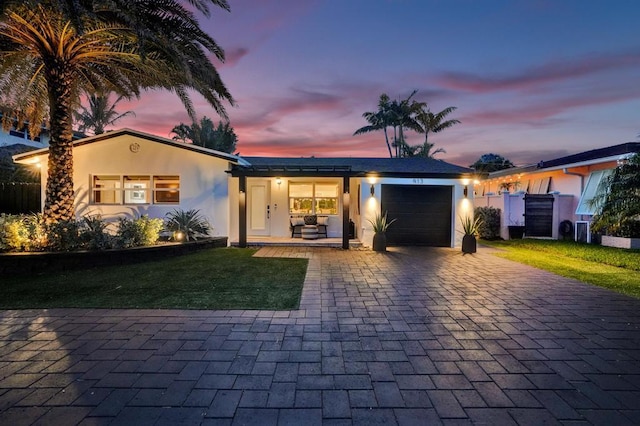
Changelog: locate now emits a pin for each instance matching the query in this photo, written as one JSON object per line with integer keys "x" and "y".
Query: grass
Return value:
{"x": 221, "y": 278}
{"x": 612, "y": 268}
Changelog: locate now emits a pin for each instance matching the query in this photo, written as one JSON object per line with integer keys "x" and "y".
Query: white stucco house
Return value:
{"x": 130, "y": 173}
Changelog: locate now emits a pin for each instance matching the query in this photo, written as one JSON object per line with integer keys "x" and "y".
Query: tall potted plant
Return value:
{"x": 380, "y": 225}
{"x": 470, "y": 228}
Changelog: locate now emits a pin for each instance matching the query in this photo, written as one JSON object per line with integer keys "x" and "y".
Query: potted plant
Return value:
{"x": 380, "y": 225}
{"x": 470, "y": 228}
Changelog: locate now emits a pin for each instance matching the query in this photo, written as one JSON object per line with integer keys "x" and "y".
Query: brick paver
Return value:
{"x": 412, "y": 336}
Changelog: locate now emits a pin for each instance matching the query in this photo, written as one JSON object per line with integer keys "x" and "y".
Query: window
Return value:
{"x": 135, "y": 189}
{"x": 313, "y": 198}
{"x": 593, "y": 187}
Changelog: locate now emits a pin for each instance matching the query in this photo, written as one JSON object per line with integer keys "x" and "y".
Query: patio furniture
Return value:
{"x": 296, "y": 224}
{"x": 309, "y": 232}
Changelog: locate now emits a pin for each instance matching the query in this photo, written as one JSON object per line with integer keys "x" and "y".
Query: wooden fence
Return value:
{"x": 20, "y": 197}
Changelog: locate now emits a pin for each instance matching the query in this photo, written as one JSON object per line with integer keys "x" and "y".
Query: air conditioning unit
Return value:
{"x": 583, "y": 231}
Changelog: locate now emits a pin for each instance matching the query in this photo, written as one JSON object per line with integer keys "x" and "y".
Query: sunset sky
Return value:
{"x": 532, "y": 79}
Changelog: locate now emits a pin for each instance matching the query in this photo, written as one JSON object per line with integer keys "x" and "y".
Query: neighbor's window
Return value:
{"x": 135, "y": 189}
{"x": 593, "y": 187}
{"x": 313, "y": 198}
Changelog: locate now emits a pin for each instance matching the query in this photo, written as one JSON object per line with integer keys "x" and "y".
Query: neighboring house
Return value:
{"x": 129, "y": 173}
{"x": 14, "y": 137}
{"x": 542, "y": 196}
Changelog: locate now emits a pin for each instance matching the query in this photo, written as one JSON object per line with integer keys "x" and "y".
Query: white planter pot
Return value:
{"x": 620, "y": 242}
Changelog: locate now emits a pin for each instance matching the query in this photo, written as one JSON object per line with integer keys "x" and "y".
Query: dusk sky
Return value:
{"x": 532, "y": 79}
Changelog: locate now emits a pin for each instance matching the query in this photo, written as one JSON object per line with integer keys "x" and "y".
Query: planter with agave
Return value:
{"x": 187, "y": 225}
{"x": 380, "y": 225}
{"x": 470, "y": 228}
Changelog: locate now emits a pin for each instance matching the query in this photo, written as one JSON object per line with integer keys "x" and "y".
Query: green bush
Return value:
{"x": 188, "y": 225}
{"x": 489, "y": 228}
{"x": 139, "y": 232}
{"x": 22, "y": 233}
{"x": 64, "y": 236}
{"x": 94, "y": 235}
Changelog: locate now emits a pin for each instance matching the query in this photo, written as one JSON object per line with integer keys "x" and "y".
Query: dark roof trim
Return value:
{"x": 110, "y": 135}
{"x": 337, "y": 171}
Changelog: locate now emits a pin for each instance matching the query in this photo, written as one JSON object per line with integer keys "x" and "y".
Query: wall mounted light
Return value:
{"x": 278, "y": 181}
{"x": 373, "y": 190}
{"x": 465, "y": 191}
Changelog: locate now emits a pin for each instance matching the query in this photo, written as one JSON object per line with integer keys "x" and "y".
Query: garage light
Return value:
{"x": 465, "y": 192}
{"x": 373, "y": 190}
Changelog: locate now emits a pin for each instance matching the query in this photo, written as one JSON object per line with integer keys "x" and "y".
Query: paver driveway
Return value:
{"x": 414, "y": 336}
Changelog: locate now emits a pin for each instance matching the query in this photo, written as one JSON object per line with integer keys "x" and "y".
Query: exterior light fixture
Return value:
{"x": 278, "y": 181}
{"x": 465, "y": 191}
{"x": 372, "y": 190}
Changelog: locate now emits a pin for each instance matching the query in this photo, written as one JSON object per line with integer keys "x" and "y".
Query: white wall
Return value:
{"x": 203, "y": 181}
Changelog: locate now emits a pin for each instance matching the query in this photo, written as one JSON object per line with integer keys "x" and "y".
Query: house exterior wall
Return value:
{"x": 371, "y": 205}
{"x": 203, "y": 181}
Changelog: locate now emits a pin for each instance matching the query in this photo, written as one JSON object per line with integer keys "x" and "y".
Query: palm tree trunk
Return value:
{"x": 386, "y": 138}
{"x": 59, "y": 198}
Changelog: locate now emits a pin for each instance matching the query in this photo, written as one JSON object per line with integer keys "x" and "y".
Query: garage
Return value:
{"x": 423, "y": 213}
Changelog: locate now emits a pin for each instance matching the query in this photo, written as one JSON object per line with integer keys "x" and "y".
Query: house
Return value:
{"x": 551, "y": 198}
{"x": 130, "y": 173}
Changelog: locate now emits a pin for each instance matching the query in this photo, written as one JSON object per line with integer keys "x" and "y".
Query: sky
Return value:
{"x": 531, "y": 79}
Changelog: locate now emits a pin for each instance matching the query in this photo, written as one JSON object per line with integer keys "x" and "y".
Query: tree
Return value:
{"x": 378, "y": 120}
{"x": 434, "y": 123}
{"x": 221, "y": 138}
{"x": 488, "y": 163}
{"x": 402, "y": 115}
{"x": 99, "y": 114}
{"x": 618, "y": 201}
{"x": 51, "y": 51}
{"x": 423, "y": 150}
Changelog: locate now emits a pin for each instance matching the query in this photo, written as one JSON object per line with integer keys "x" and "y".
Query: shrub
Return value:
{"x": 489, "y": 228}
{"x": 63, "y": 236}
{"x": 22, "y": 233}
{"x": 93, "y": 234}
{"x": 139, "y": 232}
{"x": 190, "y": 224}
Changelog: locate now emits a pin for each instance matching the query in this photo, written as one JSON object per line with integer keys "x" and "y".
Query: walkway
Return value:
{"x": 414, "y": 336}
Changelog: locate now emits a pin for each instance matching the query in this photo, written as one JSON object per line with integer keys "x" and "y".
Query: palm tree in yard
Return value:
{"x": 52, "y": 51}
{"x": 434, "y": 123}
{"x": 99, "y": 114}
{"x": 221, "y": 137}
{"x": 378, "y": 120}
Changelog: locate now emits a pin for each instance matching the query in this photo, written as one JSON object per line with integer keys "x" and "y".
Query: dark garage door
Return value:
{"x": 423, "y": 213}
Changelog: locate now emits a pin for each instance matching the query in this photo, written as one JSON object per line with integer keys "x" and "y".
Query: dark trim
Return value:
{"x": 242, "y": 215}
{"x": 316, "y": 172}
{"x": 346, "y": 201}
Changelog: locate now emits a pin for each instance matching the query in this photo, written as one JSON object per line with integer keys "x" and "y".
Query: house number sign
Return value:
{"x": 418, "y": 180}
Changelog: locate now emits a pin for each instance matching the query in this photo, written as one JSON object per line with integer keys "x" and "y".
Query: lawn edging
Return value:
{"x": 12, "y": 264}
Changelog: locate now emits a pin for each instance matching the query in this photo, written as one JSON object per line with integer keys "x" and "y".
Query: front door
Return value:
{"x": 259, "y": 207}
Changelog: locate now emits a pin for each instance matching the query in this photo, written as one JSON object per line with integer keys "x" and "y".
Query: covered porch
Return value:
{"x": 297, "y": 242}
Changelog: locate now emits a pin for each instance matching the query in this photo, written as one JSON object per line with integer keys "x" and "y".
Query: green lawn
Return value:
{"x": 221, "y": 278}
{"x": 616, "y": 269}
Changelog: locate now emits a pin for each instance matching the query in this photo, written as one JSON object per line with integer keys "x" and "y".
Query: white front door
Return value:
{"x": 259, "y": 207}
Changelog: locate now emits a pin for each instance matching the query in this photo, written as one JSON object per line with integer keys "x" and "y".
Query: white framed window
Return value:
{"x": 594, "y": 186}
{"x": 135, "y": 189}
{"x": 313, "y": 198}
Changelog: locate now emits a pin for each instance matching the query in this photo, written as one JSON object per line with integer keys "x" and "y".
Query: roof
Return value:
{"x": 153, "y": 138}
{"x": 349, "y": 166}
{"x": 594, "y": 156}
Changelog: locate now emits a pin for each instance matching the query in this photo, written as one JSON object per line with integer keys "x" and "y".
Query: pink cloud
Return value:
{"x": 537, "y": 76}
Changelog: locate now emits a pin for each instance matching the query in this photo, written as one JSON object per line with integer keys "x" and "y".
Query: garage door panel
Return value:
{"x": 423, "y": 214}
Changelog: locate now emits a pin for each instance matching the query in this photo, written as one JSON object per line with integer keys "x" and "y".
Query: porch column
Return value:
{"x": 346, "y": 198}
{"x": 242, "y": 216}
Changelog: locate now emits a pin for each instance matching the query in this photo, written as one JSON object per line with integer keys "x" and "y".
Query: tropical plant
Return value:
{"x": 99, "y": 114}
{"x": 489, "y": 226}
{"x": 424, "y": 150}
{"x": 434, "y": 123}
{"x": 618, "y": 201}
{"x": 93, "y": 233}
{"x": 52, "y": 51}
{"x": 143, "y": 231}
{"x": 488, "y": 163}
{"x": 378, "y": 120}
{"x": 402, "y": 115}
{"x": 221, "y": 138}
{"x": 470, "y": 226}
{"x": 380, "y": 223}
{"x": 188, "y": 225}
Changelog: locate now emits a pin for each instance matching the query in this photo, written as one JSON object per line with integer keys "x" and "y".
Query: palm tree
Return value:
{"x": 423, "y": 150}
{"x": 378, "y": 120}
{"x": 402, "y": 115}
{"x": 99, "y": 114}
{"x": 434, "y": 123}
{"x": 221, "y": 138}
{"x": 52, "y": 51}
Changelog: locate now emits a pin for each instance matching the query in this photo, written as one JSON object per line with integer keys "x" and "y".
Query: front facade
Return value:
{"x": 126, "y": 173}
